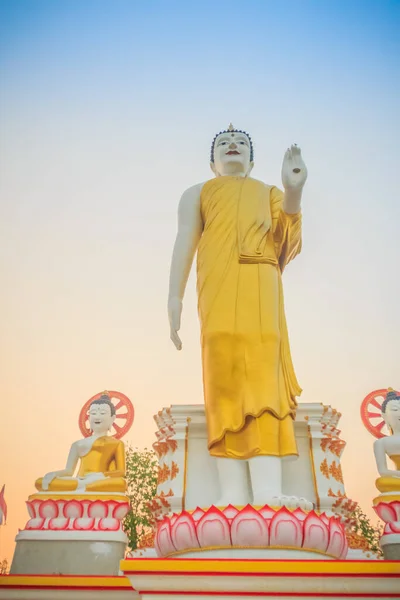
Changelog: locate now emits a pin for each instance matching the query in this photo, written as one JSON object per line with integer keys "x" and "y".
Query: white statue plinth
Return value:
{"x": 189, "y": 489}
{"x": 188, "y": 475}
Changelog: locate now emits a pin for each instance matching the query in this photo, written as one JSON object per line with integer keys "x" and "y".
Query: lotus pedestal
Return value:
{"x": 72, "y": 535}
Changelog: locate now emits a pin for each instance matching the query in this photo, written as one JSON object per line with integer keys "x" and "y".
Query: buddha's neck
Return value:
{"x": 233, "y": 174}
{"x": 95, "y": 436}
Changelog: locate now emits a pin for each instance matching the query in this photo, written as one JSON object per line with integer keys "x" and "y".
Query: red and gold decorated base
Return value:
{"x": 65, "y": 587}
{"x": 261, "y": 530}
{"x": 178, "y": 578}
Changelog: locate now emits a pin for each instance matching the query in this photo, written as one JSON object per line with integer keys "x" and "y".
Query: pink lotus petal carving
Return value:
{"x": 394, "y": 527}
{"x": 173, "y": 519}
{"x": 299, "y": 514}
{"x": 183, "y": 532}
{"x": 109, "y": 524}
{"x": 324, "y": 518}
{"x": 316, "y": 533}
{"x": 163, "y": 541}
{"x": 120, "y": 510}
{"x": 387, "y": 528}
{"x": 31, "y": 509}
{"x": 285, "y": 529}
{"x": 73, "y": 509}
{"x": 35, "y": 505}
{"x": 388, "y": 511}
{"x": 249, "y": 528}
{"x": 337, "y": 541}
{"x": 35, "y": 523}
{"x": 58, "y": 524}
{"x": 267, "y": 512}
{"x": 97, "y": 509}
{"x": 213, "y": 529}
{"x": 48, "y": 509}
{"x": 197, "y": 514}
{"x": 84, "y": 524}
{"x": 230, "y": 512}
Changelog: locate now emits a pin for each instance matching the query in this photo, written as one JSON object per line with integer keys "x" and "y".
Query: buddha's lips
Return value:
{"x": 233, "y": 152}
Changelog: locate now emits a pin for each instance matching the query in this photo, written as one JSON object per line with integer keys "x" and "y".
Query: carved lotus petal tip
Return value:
{"x": 183, "y": 532}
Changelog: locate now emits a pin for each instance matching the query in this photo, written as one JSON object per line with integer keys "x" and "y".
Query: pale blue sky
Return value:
{"x": 107, "y": 112}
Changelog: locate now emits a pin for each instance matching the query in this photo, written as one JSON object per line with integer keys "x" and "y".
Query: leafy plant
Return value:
{"x": 3, "y": 567}
{"x": 141, "y": 476}
{"x": 361, "y": 526}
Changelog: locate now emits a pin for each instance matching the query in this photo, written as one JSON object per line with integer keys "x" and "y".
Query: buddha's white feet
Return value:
{"x": 236, "y": 499}
{"x": 280, "y": 500}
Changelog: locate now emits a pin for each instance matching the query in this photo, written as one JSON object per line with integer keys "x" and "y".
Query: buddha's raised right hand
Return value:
{"x": 174, "y": 314}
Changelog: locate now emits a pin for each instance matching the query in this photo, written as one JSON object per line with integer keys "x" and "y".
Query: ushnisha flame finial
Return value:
{"x": 231, "y": 127}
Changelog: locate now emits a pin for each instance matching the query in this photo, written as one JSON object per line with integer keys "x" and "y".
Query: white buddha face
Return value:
{"x": 100, "y": 418}
{"x": 392, "y": 415}
{"x": 232, "y": 154}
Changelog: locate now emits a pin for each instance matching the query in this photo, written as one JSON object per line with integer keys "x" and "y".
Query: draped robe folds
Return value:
{"x": 250, "y": 387}
{"x": 104, "y": 455}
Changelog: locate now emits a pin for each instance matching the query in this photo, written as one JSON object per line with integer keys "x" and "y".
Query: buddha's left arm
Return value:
{"x": 119, "y": 459}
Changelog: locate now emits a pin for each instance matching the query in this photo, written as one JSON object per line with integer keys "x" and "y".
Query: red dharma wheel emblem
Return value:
{"x": 124, "y": 414}
{"x": 371, "y": 413}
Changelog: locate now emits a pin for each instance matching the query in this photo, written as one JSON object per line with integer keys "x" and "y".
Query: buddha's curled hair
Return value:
{"x": 105, "y": 399}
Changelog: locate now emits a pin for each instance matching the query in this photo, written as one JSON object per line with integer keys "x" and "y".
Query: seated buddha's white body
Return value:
{"x": 389, "y": 446}
{"x": 101, "y": 458}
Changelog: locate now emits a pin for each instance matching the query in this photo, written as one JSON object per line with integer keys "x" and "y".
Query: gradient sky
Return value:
{"x": 107, "y": 112}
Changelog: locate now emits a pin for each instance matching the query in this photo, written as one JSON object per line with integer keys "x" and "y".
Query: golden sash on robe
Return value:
{"x": 250, "y": 387}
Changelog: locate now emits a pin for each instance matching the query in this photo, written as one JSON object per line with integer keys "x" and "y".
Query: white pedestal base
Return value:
{"x": 86, "y": 554}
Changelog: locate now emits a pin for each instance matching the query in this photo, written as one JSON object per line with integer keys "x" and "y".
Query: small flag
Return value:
{"x": 3, "y": 507}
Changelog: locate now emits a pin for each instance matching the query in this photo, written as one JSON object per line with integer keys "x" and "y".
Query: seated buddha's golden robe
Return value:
{"x": 388, "y": 483}
{"x": 249, "y": 382}
{"x": 107, "y": 456}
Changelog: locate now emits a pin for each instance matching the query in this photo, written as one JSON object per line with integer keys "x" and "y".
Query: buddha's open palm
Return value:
{"x": 294, "y": 170}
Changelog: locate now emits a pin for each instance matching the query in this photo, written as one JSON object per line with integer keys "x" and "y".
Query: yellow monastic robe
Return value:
{"x": 249, "y": 382}
{"x": 107, "y": 456}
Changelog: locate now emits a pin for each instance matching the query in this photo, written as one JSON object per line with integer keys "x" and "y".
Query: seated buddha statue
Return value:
{"x": 101, "y": 457}
{"x": 389, "y": 446}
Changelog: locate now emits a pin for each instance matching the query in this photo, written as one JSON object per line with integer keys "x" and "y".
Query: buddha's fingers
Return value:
{"x": 176, "y": 339}
{"x": 296, "y": 151}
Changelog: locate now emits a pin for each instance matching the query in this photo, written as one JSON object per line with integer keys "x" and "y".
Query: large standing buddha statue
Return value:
{"x": 245, "y": 232}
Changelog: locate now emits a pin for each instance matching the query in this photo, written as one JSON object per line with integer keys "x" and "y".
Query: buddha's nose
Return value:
{"x": 232, "y": 145}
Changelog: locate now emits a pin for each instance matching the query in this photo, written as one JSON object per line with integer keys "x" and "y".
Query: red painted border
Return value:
{"x": 274, "y": 594}
{"x": 264, "y": 574}
{"x": 41, "y": 575}
{"x": 68, "y": 587}
{"x": 264, "y": 560}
